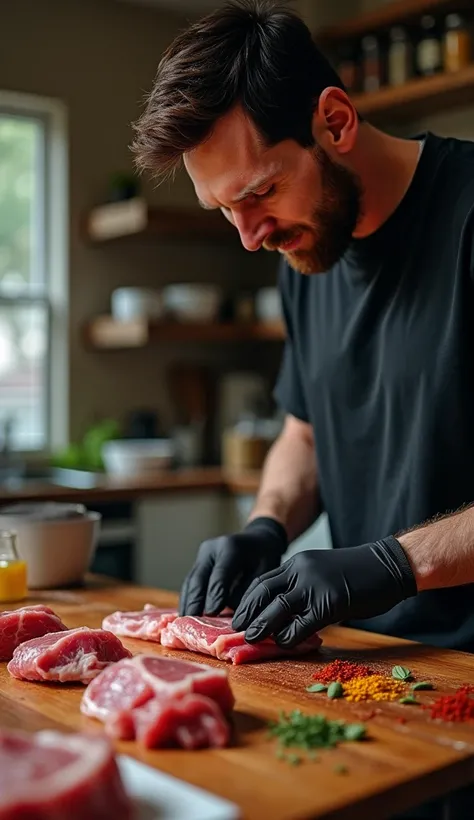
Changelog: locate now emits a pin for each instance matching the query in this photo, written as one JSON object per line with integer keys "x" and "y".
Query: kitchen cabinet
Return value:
{"x": 170, "y": 529}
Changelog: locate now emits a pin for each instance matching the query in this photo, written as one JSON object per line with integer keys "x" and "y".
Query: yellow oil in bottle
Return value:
{"x": 13, "y": 571}
{"x": 13, "y": 586}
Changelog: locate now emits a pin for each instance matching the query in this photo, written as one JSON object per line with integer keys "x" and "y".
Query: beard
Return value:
{"x": 333, "y": 222}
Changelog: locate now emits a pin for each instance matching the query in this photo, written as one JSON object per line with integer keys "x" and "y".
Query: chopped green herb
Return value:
{"x": 317, "y": 687}
{"x": 308, "y": 732}
{"x": 335, "y": 690}
{"x": 354, "y": 731}
{"x": 294, "y": 760}
{"x": 312, "y": 756}
{"x": 340, "y": 769}
{"x": 280, "y": 754}
{"x": 409, "y": 699}
{"x": 422, "y": 684}
{"x": 401, "y": 673}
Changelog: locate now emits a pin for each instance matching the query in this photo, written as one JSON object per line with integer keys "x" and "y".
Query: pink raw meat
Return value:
{"x": 215, "y": 636}
{"x": 19, "y": 625}
{"x": 75, "y": 655}
{"x": 191, "y": 722}
{"x": 146, "y": 624}
{"x": 132, "y": 682}
{"x": 51, "y": 776}
{"x": 161, "y": 700}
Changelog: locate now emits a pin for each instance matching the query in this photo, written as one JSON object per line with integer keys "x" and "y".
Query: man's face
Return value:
{"x": 287, "y": 198}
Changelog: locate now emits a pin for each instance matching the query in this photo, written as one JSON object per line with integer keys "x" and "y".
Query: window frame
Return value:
{"x": 55, "y": 195}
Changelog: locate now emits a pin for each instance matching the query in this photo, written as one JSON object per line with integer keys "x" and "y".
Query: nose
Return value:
{"x": 253, "y": 229}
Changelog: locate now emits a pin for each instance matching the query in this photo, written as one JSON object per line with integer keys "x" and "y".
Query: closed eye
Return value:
{"x": 267, "y": 193}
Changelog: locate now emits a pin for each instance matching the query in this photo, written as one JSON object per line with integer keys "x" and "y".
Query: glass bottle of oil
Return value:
{"x": 13, "y": 583}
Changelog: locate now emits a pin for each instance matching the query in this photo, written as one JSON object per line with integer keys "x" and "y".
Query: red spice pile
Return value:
{"x": 457, "y": 708}
{"x": 342, "y": 671}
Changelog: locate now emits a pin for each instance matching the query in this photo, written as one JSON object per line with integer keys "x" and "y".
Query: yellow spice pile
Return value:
{"x": 373, "y": 687}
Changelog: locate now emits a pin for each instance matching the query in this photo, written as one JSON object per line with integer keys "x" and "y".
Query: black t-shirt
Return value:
{"x": 379, "y": 359}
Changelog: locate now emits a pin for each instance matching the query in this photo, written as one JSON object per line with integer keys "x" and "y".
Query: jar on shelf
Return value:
{"x": 372, "y": 64}
{"x": 400, "y": 57}
{"x": 457, "y": 44}
{"x": 429, "y": 54}
{"x": 347, "y": 67}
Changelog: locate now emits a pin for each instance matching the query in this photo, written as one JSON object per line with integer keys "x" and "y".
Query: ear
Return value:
{"x": 336, "y": 120}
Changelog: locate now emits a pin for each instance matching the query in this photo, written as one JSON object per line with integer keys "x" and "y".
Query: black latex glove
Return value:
{"x": 321, "y": 587}
{"x": 225, "y": 567}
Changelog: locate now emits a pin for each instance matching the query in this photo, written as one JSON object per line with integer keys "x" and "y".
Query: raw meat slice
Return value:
{"x": 146, "y": 624}
{"x": 161, "y": 701}
{"x": 191, "y": 722}
{"x": 215, "y": 636}
{"x": 131, "y": 682}
{"x": 75, "y": 655}
{"x": 25, "y": 623}
{"x": 50, "y": 776}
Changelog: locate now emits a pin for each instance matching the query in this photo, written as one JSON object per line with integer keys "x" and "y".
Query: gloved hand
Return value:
{"x": 225, "y": 567}
{"x": 321, "y": 587}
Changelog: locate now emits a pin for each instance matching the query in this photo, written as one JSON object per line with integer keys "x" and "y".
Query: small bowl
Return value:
{"x": 58, "y": 552}
{"x": 134, "y": 457}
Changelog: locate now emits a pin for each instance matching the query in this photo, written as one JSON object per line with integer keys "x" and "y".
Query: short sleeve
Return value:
{"x": 289, "y": 391}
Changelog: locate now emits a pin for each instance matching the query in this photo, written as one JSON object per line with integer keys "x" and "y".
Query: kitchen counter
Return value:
{"x": 406, "y": 759}
{"x": 108, "y": 488}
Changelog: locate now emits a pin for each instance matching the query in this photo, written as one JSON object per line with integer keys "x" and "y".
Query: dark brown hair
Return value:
{"x": 250, "y": 52}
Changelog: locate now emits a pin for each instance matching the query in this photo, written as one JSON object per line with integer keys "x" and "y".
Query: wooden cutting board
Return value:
{"x": 401, "y": 764}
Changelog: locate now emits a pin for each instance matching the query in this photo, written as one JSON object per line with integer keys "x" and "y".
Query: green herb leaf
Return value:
{"x": 354, "y": 731}
{"x": 312, "y": 756}
{"x": 422, "y": 684}
{"x": 335, "y": 690}
{"x": 401, "y": 673}
{"x": 340, "y": 769}
{"x": 409, "y": 699}
{"x": 294, "y": 760}
{"x": 317, "y": 687}
{"x": 307, "y": 732}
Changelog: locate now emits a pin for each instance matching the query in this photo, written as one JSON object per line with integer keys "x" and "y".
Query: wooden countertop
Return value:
{"x": 115, "y": 489}
{"x": 399, "y": 766}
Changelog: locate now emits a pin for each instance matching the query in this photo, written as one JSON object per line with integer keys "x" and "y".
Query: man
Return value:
{"x": 377, "y": 380}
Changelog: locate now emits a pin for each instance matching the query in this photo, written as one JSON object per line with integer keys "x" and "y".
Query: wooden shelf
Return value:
{"x": 105, "y": 333}
{"x": 134, "y": 217}
{"x": 385, "y": 16}
{"x": 418, "y": 98}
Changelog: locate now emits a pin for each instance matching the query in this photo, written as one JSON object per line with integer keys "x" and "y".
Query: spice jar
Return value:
{"x": 347, "y": 67}
{"x": 429, "y": 57}
{"x": 400, "y": 57}
{"x": 457, "y": 43}
{"x": 372, "y": 68}
{"x": 13, "y": 586}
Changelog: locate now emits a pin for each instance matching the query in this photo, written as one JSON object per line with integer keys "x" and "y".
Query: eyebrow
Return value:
{"x": 256, "y": 183}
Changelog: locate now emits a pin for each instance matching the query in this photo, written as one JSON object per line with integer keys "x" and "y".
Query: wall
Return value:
{"x": 99, "y": 57}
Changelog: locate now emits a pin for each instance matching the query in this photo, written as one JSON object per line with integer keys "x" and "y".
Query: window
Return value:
{"x": 33, "y": 265}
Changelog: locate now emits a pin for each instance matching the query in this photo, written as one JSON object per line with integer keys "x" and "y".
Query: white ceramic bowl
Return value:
{"x": 57, "y": 552}
{"x": 133, "y": 457}
{"x": 192, "y": 303}
{"x": 128, "y": 304}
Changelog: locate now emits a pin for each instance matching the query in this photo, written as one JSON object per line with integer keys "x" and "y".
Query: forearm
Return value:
{"x": 441, "y": 553}
{"x": 289, "y": 486}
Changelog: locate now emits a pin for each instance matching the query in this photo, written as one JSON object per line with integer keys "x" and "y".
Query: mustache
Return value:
{"x": 273, "y": 242}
